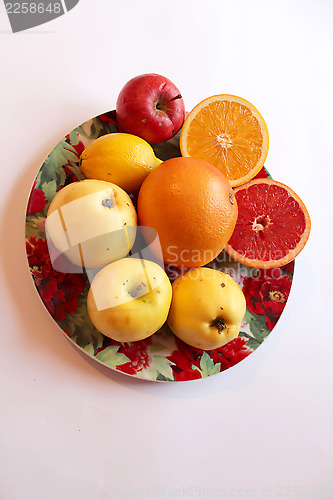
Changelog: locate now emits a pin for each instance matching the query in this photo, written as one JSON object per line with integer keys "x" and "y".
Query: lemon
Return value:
{"x": 123, "y": 159}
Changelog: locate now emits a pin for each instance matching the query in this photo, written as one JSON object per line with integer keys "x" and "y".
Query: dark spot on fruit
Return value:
{"x": 219, "y": 324}
{"x": 222, "y": 285}
{"x": 221, "y": 308}
{"x": 108, "y": 203}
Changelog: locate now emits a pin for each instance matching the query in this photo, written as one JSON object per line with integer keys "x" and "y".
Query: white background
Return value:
{"x": 72, "y": 430}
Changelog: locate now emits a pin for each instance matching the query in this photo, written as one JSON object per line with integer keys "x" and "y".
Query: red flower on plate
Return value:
{"x": 231, "y": 353}
{"x": 58, "y": 291}
{"x": 262, "y": 174}
{"x": 185, "y": 359}
{"x": 70, "y": 177}
{"x": 138, "y": 354}
{"x": 79, "y": 147}
{"x": 109, "y": 117}
{"x": 288, "y": 268}
{"x": 37, "y": 200}
{"x": 267, "y": 293}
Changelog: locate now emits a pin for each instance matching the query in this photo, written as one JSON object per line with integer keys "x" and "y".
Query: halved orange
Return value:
{"x": 272, "y": 227}
{"x": 228, "y": 132}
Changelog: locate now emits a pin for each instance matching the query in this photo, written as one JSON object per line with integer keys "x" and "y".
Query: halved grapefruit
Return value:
{"x": 273, "y": 224}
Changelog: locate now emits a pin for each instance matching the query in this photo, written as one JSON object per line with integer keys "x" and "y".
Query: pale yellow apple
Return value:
{"x": 129, "y": 299}
{"x": 207, "y": 308}
{"x": 92, "y": 222}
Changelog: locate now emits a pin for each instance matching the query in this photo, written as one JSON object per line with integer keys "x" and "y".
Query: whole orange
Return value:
{"x": 191, "y": 205}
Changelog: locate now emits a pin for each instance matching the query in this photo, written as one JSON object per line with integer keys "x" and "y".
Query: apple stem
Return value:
{"x": 219, "y": 324}
{"x": 162, "y": 104}
{"x": 138, "y": 289}
{"x": 107, "y": 203}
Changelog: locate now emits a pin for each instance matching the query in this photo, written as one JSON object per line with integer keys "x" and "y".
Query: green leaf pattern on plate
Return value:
{"x": 111, "y": 357}
{"x": 207, "y": 366}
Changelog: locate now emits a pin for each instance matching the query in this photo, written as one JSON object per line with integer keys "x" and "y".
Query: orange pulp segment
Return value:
{"x": 228, "y": 132}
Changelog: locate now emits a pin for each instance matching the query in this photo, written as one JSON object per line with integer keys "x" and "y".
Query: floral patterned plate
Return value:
{"x": 162, "y": 357}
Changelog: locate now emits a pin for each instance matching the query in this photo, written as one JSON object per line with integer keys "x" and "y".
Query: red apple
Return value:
{"x": 151, "y": 107}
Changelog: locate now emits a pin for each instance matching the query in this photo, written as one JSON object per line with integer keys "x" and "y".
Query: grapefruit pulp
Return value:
{"x": 273, "y": 224}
